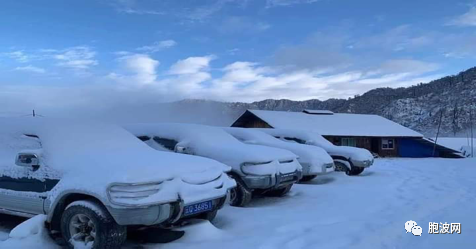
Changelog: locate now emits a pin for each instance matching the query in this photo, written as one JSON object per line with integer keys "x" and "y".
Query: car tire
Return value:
{"x": 91, "y": 222}
{"x": 355, "y": 171}
{"x": 280, "y": 192}
{"x": 341, "y": 167}
{"x": 308, "y": 178}
{"x": 240, "y": 196}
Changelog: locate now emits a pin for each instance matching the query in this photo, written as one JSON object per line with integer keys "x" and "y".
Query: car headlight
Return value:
{"x": 252, "y": 168}
{"x": 329, "y": 165}
{"x": 367, "y": 162}
{"x": 128, "y": 193}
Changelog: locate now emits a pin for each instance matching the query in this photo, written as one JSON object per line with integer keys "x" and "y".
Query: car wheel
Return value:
{"x": 240, "y": 196}
{"x": 355, "y": 171}
{"x": 87, "y": 224}
{"x": 280, "y": 191}
{"x": 341, "y": 167}
{"x": 308, "y": 178}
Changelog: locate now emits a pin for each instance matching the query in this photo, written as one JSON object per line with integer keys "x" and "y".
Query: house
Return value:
{"x": 375, "y": 133}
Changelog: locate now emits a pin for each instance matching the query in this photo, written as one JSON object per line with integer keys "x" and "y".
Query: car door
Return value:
{"x": 23, "y": 190}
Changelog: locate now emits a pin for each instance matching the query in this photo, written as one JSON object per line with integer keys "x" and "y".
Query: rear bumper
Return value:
{"x": 270, "y": 182}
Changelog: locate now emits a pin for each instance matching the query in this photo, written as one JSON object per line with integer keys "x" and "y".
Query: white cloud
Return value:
{"x": 122, "y": 53}
{"x": 132, "y": 7}
{"x": 158, "y": 46}
{"x": 467, "y": 19}
{"x": 243, "y": 25}
{"x": 19, "y": 56}
{"x": 140, "y": 68}
{"x": 204, "y": 12}
{"x": 243, "y": 72}
{"x": 408, "y": 66}
{"x": 320, "y": 51}
{"x": 249, "y": 81}
{"x": 79, "y": 58}
{"x": 397, "y": 39}
{"x": 191, "y": 65}
{"x": 276, "y": 3}
{"x": 32, "y": 69}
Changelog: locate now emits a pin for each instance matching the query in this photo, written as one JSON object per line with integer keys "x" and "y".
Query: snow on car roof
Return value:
{"x": 314, "y": 138}
{"x": 92, "y": 148}
{"x": 307, "y": 153}
{"x": 337, "y": 124}
{"x": 212, "y": 142}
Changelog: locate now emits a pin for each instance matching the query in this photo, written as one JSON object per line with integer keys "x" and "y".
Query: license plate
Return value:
{"x": 198, "y": 208}
{"x": 287, "y": 177}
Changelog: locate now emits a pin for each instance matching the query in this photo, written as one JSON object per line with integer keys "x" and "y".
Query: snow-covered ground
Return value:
{"x": 338, "y": 211}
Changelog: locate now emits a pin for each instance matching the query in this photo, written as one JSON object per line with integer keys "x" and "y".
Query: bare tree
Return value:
{"x": 455, "y": 118}
{"x": 471, "y": 124}
{"x": 438, "y": 131}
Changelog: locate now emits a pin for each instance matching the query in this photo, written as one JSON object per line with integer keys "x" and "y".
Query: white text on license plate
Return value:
{"x": 198, "y": 208}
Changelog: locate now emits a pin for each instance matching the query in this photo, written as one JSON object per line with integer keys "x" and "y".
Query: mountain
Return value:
{"x": 419, "y": 107}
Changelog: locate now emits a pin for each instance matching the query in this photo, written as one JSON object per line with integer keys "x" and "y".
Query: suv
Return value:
{"x": 314, "y": 160}
{"x": 256, "y": 169}
{"x": 351, "y": 160}
{"x": 93, "y": 180}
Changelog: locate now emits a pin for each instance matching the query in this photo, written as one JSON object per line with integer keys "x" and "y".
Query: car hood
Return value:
{"x": 235, "y": 155}
{"x": 355, "y": 154}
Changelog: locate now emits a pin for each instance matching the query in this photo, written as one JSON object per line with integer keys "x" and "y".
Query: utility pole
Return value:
{"x": 472, "y": 137}
{"x": 438, "y": 131}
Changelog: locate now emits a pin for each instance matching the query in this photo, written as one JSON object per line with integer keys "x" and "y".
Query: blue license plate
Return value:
{"x": 198, "y": 208}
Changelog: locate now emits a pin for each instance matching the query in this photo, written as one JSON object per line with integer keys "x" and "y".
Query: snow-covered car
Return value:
{"x": 94, "y": 180}
{"x": 314, "y": 160}
{"x": 351, "y": 160}
{"x": 256, "y": 169}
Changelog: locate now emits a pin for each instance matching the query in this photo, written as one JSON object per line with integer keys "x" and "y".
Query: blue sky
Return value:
{"x": 103, "y": 51}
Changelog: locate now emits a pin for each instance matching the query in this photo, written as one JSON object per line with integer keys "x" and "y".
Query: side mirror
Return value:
{"x": 27, "y": 160}
{"x": 181, "y": 149}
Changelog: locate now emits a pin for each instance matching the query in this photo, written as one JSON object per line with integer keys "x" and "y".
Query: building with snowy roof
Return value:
{"x": 375, "y": 133}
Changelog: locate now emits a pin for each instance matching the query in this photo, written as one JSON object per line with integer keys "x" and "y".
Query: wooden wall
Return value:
{"x": 366, "y": 143}
{"x": 256, "y": 123}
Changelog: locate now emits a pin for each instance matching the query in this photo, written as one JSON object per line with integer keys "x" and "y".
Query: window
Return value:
{"x": 167, "y": 143}
{"x": 144, "y": 138}
{"x": 388, "y": 143}
{"x": 348, "y": 141}
{"x": 297, "y": 140}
